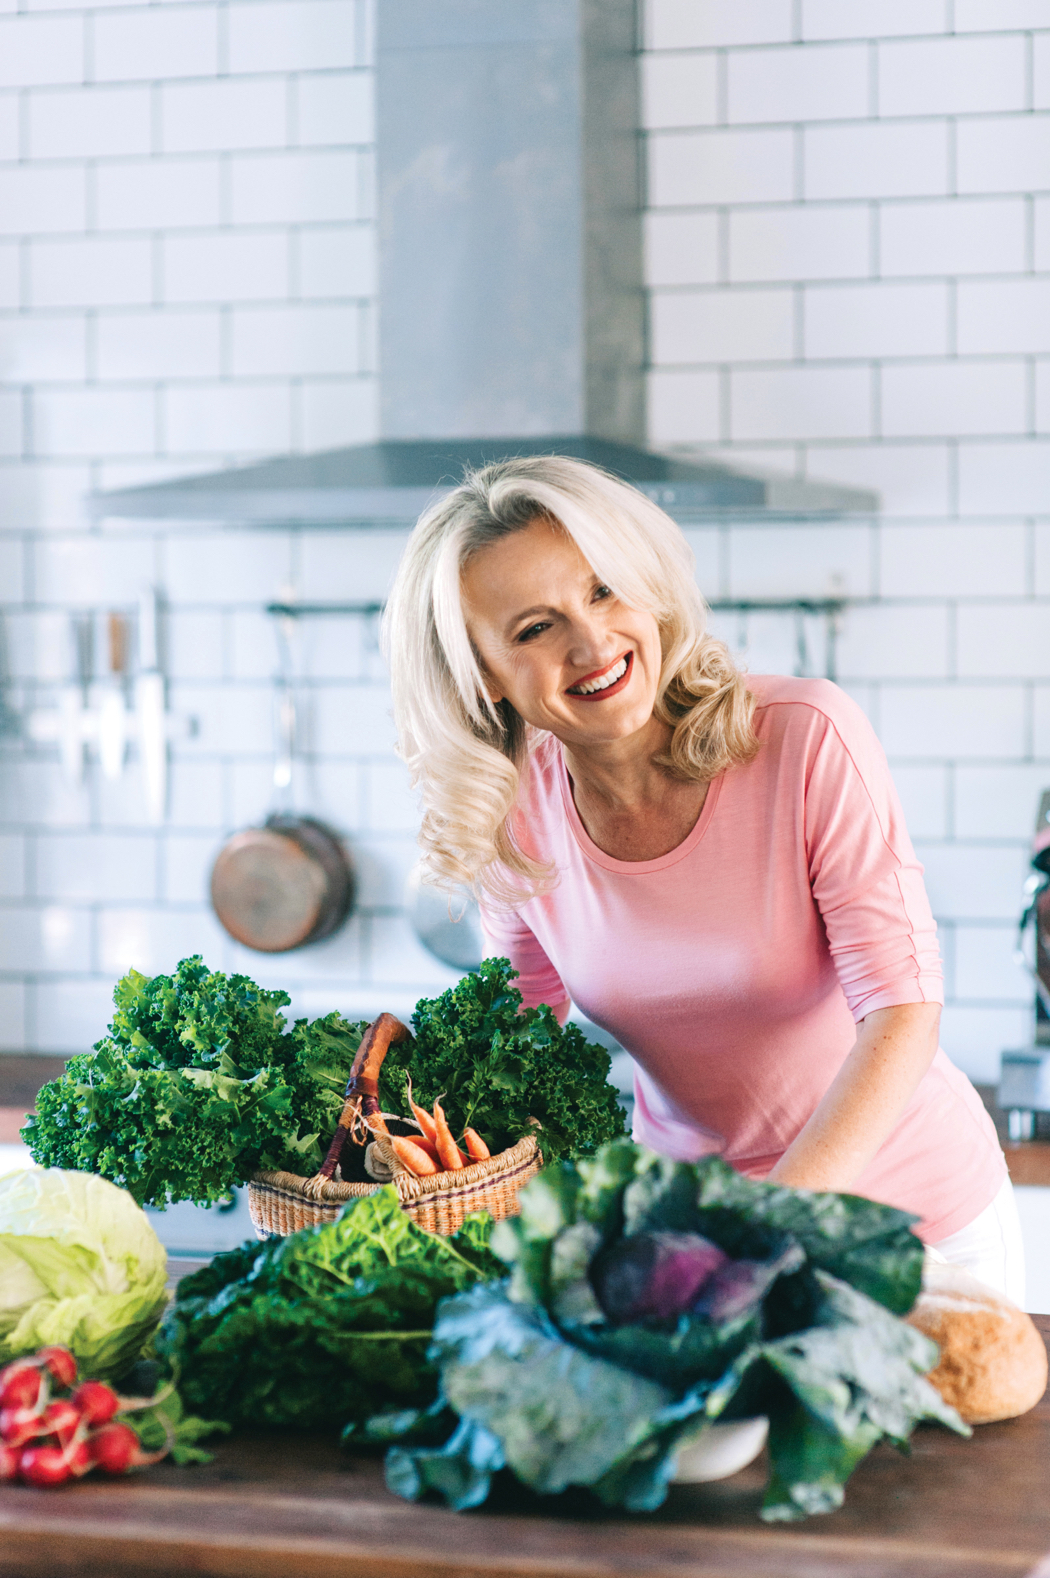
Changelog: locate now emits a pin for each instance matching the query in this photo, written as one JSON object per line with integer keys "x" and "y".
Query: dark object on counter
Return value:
{"x": 282, "y": 885}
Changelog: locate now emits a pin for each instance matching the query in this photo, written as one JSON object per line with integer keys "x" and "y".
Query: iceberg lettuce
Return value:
{"x": 80, "y": 1265}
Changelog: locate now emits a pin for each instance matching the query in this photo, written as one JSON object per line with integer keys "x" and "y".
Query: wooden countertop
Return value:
{"x": 297, "y": 1508}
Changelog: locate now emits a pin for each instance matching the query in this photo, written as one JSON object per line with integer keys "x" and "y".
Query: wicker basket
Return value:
{"x": 281, "y": 1203}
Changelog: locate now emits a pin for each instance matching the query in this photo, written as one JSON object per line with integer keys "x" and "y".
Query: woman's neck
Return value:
{"x": 631, "y": 807}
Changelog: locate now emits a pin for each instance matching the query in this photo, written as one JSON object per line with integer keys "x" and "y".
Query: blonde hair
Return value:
{"x": 465, "y": 754}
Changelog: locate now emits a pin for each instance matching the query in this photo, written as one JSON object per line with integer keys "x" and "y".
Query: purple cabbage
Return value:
{"x": 739, "y": 1286}
{"x": 659, "y": 1276}
{"x": 654, "y": 1276}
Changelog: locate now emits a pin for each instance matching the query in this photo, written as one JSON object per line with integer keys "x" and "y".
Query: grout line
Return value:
{"x": 875, "y": 240}
{"x": 873, "y": 80}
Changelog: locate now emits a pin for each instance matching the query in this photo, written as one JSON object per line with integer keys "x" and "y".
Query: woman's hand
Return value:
{"x": 893, "y": 1050}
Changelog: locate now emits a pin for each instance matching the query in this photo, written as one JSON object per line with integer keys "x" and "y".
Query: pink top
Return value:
{"x": 734, "y": 968}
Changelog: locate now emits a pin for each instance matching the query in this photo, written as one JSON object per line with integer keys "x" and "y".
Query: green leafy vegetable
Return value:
{"x": 195, "y": 1088}
{"x": 167, "y": 1420}
{"x": 800, "y": 1324}
{"x": 80, "y": 1265}
{"x": 327, "y": 1326}
{"x": 496, "y": 1068}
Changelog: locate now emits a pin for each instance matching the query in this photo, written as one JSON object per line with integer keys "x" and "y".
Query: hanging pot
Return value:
{"x": 289, "y": 882}
{"x": 282, "y": 885}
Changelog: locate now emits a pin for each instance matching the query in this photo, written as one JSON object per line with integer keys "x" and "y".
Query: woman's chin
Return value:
{"x": 603, "y": 723}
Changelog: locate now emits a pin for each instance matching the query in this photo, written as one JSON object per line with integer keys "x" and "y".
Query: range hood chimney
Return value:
{"x": 511, "y": 296}
{"x": 511, "y": 300}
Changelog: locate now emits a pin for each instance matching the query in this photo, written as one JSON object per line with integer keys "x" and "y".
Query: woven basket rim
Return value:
{"x": 330, "y": 1192}
{"x": 504, "y": 1165}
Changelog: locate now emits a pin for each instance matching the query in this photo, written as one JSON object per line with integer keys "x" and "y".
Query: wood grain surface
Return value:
{"x": 289, "y": 1507}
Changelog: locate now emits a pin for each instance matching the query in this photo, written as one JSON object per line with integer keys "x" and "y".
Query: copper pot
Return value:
{"x": 282, "y": 885}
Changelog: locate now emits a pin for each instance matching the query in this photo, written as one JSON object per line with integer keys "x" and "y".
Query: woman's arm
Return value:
{"x": 859, "y": 1110}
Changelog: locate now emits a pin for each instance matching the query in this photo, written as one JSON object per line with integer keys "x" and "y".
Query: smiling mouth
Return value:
{"x": 607, "y": 679}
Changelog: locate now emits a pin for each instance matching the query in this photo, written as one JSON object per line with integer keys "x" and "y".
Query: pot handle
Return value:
{"x": 361, "y": 1101}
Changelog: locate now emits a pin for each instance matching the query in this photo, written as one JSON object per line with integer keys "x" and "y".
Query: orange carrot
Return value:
{"x": 476, "y": 1147}
{"x": 426, "y": 1146}
{"x": 423, "y": 1118}
{"x": 413, "y": 1157}
{"x": 451, "y": 1155}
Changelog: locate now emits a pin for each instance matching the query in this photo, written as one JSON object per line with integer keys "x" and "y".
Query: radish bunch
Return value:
{"x": 52, "y": 1430}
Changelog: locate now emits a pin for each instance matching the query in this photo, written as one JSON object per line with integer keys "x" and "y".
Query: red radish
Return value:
{"x": 19, "y": 1425}
{"x": 423, "y": 1118}
{"x": 114, "y": 1448}
{"x": 79, "y": 1458}
{"x": 44, "y": 1465}
{"x": 60, "y": 1362}
{"x": 8, "y": 1462}
{"x": 96, "y": 1401}
{"x": 60, "y": 1418}
{"x": 20, "y": 1384}
{"x": 452, "y": 1157}
{"x": 476, "y": 1147}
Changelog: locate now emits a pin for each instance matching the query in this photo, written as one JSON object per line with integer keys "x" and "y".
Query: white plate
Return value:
{"x": 721, "y": 1450}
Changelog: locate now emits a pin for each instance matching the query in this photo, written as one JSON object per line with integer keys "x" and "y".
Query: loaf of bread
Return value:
{"x": 993, "y": 1361}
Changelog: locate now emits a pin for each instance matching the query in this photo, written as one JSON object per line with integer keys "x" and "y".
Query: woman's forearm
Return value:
{"x": 893, "y": 1050}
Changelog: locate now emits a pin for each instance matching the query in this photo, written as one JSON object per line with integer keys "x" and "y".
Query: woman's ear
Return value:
{"x": 492, "y": 691}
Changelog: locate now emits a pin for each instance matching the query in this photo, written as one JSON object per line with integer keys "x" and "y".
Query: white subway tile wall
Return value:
{"x": 848, "y": 259}
{"x": 849, "y": 266}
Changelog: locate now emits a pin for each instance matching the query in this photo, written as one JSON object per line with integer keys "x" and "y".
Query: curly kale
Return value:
{"x": 196, "y": 1087}
{"x": 497, "y": 1068}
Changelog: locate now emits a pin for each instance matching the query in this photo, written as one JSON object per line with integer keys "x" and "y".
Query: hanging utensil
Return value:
{"x": 150, "y": 716}
{"x": 113, "y": 718}
{"x": 289, "y": 882}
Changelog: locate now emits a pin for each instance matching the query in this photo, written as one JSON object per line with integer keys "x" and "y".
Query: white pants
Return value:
{"x": 990, "y": 1247}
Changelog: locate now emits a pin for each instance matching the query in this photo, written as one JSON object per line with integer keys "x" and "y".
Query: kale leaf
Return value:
{"x": 497, "y": 1068}
{"x": 196, "y": 1087}
{"x": 324, "y": 1327}
{"x": 536, "y": 1378}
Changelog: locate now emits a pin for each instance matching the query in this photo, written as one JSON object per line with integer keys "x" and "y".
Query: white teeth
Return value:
{"x": 588, "y": 687}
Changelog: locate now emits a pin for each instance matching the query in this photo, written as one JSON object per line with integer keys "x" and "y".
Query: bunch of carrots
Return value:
{"x": 433, "y": 1150}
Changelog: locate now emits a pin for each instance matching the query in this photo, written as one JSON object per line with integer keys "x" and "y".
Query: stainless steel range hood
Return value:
{"x": 512, "y": 307}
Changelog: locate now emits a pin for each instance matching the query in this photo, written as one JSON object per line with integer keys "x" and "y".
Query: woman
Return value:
{"x": 713, "y": 867}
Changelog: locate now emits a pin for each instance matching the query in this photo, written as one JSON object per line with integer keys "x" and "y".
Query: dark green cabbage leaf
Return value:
{"x": 536, "y": 1379}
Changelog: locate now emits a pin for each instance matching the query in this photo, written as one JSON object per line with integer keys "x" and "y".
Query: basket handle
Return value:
{"x": 361, "y": 1100}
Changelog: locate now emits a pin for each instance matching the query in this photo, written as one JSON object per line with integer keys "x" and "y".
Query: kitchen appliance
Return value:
{"x": 511, "y": 287}
{"x": 1024, "y": 1082}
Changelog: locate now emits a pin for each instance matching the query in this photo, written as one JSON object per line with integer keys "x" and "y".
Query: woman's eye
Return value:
{"x": 533, "y": 630}
{"x": 603, "y": 591}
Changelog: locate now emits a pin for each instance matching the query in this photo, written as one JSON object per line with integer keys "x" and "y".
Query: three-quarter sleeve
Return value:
{"x": 865, "y": 877}
{"x": 507, "y": 936}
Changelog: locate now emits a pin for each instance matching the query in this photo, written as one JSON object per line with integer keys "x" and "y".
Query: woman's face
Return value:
{"x": 554, "y": 641}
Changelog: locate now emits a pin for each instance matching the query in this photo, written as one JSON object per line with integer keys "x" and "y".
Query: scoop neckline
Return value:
{"x": 635, "y": 867}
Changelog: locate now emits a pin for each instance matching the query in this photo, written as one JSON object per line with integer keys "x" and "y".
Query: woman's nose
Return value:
{"x": 589, "y": 641}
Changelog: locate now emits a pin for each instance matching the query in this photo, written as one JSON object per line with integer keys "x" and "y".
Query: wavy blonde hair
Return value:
{"x": 466, "y": 755}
